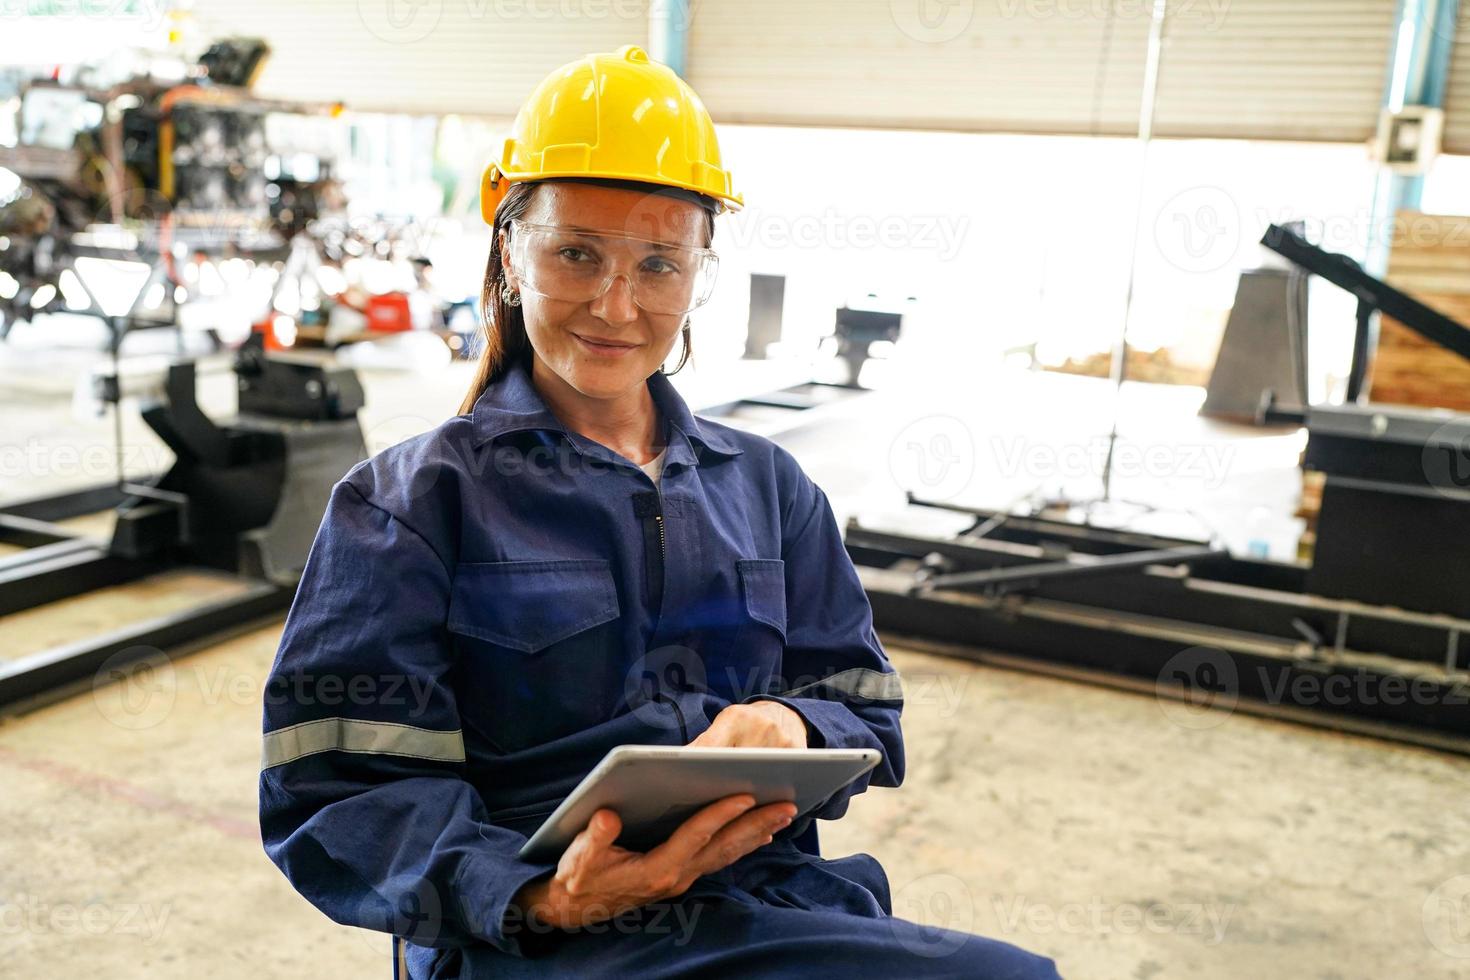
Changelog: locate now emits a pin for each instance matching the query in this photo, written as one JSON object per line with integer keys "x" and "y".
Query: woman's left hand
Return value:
{"x": 759, "y": 724}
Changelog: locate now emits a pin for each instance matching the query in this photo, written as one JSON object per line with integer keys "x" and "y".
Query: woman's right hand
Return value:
{"x": 597, "y": 880}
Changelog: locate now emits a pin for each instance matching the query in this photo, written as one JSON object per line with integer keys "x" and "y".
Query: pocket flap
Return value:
{"x": 529, "y": 605}
{"x": 763, "y": 581}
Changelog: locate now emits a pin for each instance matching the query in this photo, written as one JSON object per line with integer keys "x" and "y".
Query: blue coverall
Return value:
{"x": 489, "y": 608}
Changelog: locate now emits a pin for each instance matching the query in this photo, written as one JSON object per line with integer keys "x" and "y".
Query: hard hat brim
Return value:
{"x": 494, "y": 185}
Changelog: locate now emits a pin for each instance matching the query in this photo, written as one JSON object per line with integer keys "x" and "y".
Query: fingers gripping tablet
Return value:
{"x": 654, "y": 789}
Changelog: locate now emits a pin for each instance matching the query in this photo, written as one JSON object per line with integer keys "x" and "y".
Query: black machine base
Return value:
{"x": 1175, "y": 618}
{"x": 242, "y": 501}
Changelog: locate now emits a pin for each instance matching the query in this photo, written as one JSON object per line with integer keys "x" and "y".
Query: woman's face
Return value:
{"x": 566, "y": 335}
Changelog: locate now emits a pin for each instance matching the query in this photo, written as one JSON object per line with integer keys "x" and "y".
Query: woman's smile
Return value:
{"x": 605, "y": 346}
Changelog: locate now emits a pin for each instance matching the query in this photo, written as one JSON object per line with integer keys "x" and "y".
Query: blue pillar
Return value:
{"x": 668, "y": 33}
{"x": 1418, "y": 69}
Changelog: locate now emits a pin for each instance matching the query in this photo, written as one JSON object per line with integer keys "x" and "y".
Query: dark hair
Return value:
{"x": 505, "y": 325}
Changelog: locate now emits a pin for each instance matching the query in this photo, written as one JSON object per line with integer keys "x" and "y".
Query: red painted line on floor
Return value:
{"x": 130, "y": 793}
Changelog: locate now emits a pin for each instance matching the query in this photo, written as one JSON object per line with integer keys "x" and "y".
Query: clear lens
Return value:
{"x": 578, "y": 266}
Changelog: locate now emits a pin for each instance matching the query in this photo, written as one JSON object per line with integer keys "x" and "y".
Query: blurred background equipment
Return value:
{"x": 1384, "y": 573}
{"x": 1126, "y": 343}
{"x": 763, "y": 326}
{"x": 838, "y": 363}
{"x": 1263, "y": 353}
{"x": 243, "y": 498}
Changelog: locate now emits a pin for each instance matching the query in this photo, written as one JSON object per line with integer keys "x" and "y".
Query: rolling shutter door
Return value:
{"x": 479, "y": 57}
{"x": 1260, "y": 69}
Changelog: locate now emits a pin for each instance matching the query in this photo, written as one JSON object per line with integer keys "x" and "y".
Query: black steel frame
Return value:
{"x": 1374, "y": 296}
{"x": 1181, "y": 606}
{"x": 58, "y": 563}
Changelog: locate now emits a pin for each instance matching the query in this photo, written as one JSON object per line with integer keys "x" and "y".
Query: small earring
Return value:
{"x": 511, "y": 297}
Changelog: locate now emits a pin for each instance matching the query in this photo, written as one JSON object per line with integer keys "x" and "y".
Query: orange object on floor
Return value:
{"x": 389, "y": 312}
{"x": 268, "y": 328}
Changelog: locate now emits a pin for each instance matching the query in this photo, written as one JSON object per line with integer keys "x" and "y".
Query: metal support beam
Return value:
{"x": 1024, "y": 578}
{"x": 1418, "y": 73}
{"x": 27, "y": 532}
{"x": 50, "y": 674}
{"x": 668, "y": 33}
{"x": 65, "y": 506}
{"x": 1257, "y": 664}
{"x": 62, "y": 572}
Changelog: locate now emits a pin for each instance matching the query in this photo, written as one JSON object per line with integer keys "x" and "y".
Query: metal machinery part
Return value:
{"x": 799, "y": 405}
{"x": 1372, "y": 636}
{"x": 242, "y": 502}
{"x": 1172, "y": 618}
{"x": 857, "y": 330}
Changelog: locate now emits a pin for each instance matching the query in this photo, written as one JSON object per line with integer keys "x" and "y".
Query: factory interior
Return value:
{"x": 1128, "y": 342}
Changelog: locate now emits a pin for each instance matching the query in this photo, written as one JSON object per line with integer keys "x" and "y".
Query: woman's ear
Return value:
{"x": 506, "y": 267}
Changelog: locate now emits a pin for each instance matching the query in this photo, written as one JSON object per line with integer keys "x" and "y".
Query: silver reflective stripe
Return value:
{"x": 373, "y": 737}
{"x": 874, "y": 685}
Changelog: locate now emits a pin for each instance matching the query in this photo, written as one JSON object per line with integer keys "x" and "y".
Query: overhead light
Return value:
{"x": 284, "y": 329}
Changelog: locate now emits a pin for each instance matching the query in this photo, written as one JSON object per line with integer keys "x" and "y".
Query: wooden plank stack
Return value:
{"x": 1430, "y": 260}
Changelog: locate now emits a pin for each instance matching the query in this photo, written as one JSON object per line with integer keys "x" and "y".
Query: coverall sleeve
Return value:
{"x": 842, "y": 683}
{"x": 363, "y": 804}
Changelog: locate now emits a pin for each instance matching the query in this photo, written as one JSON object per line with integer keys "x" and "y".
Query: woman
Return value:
{"x": 573, "y": 563}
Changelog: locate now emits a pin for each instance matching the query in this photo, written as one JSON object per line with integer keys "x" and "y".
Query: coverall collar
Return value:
{"x": 513, "y": 404}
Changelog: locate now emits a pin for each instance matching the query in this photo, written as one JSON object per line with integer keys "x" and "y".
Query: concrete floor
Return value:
{"x": 1080, "y": 822}
{"x": 1099, "y": 827}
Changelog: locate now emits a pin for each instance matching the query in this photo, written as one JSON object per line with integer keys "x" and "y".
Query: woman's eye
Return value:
{"x": 572, "y": 253}
{"x": 660, "y": 266}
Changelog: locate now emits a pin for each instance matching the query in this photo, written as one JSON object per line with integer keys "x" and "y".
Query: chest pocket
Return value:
{"x": 763, "y": 586}
{"x": 529, "y": 605}
{"x": 538, "y": 644}
{"x": 747, "y": 638}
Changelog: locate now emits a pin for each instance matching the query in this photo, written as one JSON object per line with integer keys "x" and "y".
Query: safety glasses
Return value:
{"x": 575, "y": 266}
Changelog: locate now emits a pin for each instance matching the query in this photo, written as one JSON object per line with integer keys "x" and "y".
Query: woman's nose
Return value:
{"x": 616, "y": 305}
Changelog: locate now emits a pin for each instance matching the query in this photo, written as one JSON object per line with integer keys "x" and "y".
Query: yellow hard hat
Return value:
{"x": 615, "y": 116}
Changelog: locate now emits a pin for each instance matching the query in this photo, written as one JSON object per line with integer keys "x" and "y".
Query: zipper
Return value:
{"x": 659, "y": 519}
{"x": 648, "y": 505}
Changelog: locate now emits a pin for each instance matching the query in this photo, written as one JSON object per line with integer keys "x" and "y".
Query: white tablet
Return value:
{"x": 655, "y": 788}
